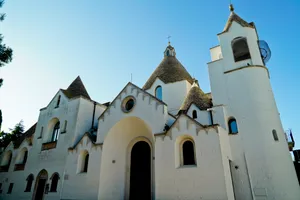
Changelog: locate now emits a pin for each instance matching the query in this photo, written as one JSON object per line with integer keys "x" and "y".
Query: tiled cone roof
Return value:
{"x": 76, "y": 89}
{"x": 170, "y": 70}
{"x": 234, "y": 17}
{"x": 198, "y": 97}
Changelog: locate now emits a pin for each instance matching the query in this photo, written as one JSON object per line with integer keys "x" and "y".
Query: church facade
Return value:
{"x": 166, "y": 140}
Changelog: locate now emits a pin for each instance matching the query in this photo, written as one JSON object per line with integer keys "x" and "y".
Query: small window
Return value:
{"x": 158, "y": 92}
{"x": 240, "y": 49}
{"x": 65, "y": 126}
{"x": 194, "y": 114}
{"x": 168, "y": 53}
{"x": 232, "y": 125}
{"x": 25, "y": 157}
{"x": 86, "y": 163}
{"x": 0, "y": 188}
{"x": 188, "y": 153}
{"x": 56, "y": 131}
{"x": 54, "y": 182}
{"x": 6, "y": 160}
{"x": 58, "y": 101}
{"x": 128, "y": 104}
{"x": 29, "y": 183}
{"x": 41, "y": 133}
{"x": 10, "y": 188}
{"x": 275, "y": 136}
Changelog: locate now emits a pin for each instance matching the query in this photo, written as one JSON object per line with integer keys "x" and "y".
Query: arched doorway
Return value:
{"x": 140, "y": 171}
{"x": 39, "y": 189}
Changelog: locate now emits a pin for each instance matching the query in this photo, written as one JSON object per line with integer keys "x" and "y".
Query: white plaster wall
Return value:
{"x": 171, "y": 120}
{"x": 215, "y": 53}
{"x": 204, "y": 181}
{"x": 173, "y": 93}
{"x": 85, "y": 116}
{"x": 220, "y": 116}
{"x": 225, "y": 43}
{"x": 115, "y": 163}
{"x": 153, "y": 112}
{"x": 226, "y": 156}
{"x": 82, "y": 185}
{"x": 19, "y": 177}
{"x": 203, "y": 117}
{"x": 264, "y": 167}
{"x": 53, "y": 160}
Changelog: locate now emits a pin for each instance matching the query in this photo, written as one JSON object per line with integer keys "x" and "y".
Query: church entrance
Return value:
{"x": 140, "y": 172}
{"x": 40, "y": 184}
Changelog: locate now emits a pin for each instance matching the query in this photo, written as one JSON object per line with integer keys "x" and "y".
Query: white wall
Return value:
{"x": 118, "y": 131}
{"x": 53, "y": 160}
{"x": 173, "y": 93}
{"x": 82, "y": 185}
{"x": 115, "y": 163}
{"x": 85, "y": 116}
{"x": 264, "y": 166}
{"x": 205, "y": 180}
{"x": 215, "y": 53}
{"x": 203, "y": 117}
{"x": 153, "y": 112}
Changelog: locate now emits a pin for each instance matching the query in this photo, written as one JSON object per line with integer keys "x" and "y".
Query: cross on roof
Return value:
{"x": 169, "y": 39}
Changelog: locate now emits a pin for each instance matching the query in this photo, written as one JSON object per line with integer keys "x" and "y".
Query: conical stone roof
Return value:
{"x": 76, "y": 89}
{"x": 170, "y": 70}
{"x": 198, "y": 97}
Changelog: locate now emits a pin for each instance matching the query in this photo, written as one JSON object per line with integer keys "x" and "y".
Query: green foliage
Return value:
{"x": 15, "y": 134}
{"x": 6, "y": 52}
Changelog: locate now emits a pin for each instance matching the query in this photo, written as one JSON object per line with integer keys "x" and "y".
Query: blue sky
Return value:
{"x": 105, "y": 41}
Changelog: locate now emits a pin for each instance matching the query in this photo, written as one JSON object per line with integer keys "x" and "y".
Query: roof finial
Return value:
{"x": 169, "y": 43}
{"x": 195, "y": 82}
{"x": 231, "y": 8}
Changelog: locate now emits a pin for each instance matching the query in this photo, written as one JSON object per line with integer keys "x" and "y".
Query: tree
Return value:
{"x": 17, "y": 131}
{"x": 6, "y": 52}
{"x": 15, "y": 134}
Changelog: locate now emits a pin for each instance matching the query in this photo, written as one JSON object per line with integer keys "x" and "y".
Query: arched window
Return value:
{"x": 158, "y": 92}
{"x": 6, "y": 160}
{"x": 86, "y": 163}
{"x": 29, "y": 183}
{"x": 25, "y": 157}
{"x": 240, "y": 49}
{"x": 188, "y": 153}
{"x": 83, "y": 161}
{"x": 167, "y": 52}
{"x": 9, "y": 159}
{"x": 275, "y": 136}
{"x": 55, "y": 133}
{"x": 54, "y": 181}
{"x": 232, "y": 125}
{"x": 58, "y": 101}
{"x": 194, "y": 114}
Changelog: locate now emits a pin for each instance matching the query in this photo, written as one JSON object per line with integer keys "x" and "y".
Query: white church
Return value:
{"x": 166, "y": 140}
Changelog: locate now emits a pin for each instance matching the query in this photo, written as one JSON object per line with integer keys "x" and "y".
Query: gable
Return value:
{"x": 53, "y": 103}
{"x": 119, "y": 96}
{"x": 145, "y": 107}
{"x": 234, "y": 18}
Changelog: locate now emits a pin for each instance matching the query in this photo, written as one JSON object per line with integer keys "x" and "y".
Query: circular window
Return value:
{"x": 128, "y": 104}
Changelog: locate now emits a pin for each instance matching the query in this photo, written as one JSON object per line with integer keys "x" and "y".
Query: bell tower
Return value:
{"x": 262, "y": 166}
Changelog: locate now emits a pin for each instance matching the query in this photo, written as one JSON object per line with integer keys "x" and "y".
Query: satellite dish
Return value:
{"x": 265, "y": 51}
